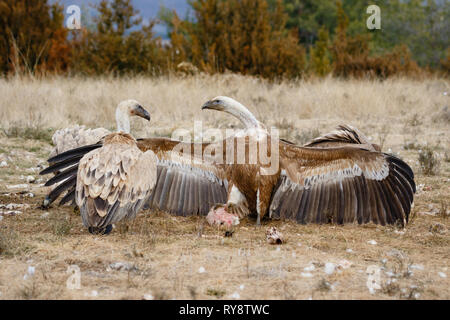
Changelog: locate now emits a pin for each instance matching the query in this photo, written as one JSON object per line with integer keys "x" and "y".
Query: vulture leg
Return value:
{"x": 102, "y": 231}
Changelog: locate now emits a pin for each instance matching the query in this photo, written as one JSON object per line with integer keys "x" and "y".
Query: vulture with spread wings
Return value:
{"x": 348, "y": 183}
{"x": 352, "y": 182}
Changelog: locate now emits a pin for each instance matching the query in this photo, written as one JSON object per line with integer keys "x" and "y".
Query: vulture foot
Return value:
{"x": 102, "y": 231}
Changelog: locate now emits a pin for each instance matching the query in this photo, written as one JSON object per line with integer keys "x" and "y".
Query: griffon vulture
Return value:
{"x": 77, "y": 136}
{"x": 113, "y": 182}
{"x": 351, "y": 183}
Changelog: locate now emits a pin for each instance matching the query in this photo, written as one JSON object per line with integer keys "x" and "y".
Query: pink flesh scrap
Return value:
{"x": 220, "y": 216}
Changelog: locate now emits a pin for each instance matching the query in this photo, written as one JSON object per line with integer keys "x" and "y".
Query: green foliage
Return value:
{"x": 112, "y": 48}
{"x": 320, "y": 62}
{"x": 351, "y": 55}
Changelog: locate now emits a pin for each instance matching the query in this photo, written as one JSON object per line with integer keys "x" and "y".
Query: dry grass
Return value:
{"x": 161, "y": 255}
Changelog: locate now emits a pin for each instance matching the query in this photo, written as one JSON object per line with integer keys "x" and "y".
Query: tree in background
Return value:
{"x": 32, "y": 37}
{"x": 241, "y": 36}
{"x": 112, "y": 46}
{"x": 319, "y": 60}
{"x": 351, "y": 55}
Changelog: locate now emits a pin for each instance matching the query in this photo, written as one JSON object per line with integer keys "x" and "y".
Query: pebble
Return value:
{"x": 345, "y": 264}
{"x": 10, "y": 213}
{"x": 18, "y": 186}
{"x": 93, "y": 293}
{"x": 121, "y": 266}
{"x": 309, "y": 268}
{"x": 373, "y": 242}
{"x": 201, "y": 270}
{"x": 241, "y": 287}
{"x": 417, "y": 266}
{"x": 31, "y": 179}
{"x": 30, "y": 272}
{"x": 148, "y": 296}
{"x": 329, "y": 268}
{"x": 3, "y": 164}
{"x": 306, "y": 274}
{"x": 442, "y": 275}
{"x": 235, "y": 295}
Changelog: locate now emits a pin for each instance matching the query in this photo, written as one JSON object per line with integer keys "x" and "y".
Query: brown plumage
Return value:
{"x": 114, "y": 181}
{"x": 343, "y": 136}
{"x": 351, "y": 183}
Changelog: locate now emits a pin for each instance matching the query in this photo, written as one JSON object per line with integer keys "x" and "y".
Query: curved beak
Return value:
{"x": 212, "y": 105}
{"x": 141, "y": 112}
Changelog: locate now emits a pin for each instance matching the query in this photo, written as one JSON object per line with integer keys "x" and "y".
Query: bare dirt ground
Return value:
{"x": 164, "y": 257}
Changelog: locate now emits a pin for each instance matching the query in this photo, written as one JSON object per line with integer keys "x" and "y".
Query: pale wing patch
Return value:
{"x": 113, "y": 182}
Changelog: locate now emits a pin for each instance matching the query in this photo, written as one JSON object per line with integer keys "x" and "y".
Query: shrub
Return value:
{"x": 428, "y": 161}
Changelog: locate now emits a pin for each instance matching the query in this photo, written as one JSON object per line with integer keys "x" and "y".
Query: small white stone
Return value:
{"x": 17, "y": 186}
{"x": 372, "y": 242}
{"x": 345, "y": 264}
{"x": 3, "y": 164}
{"x": 349, "y": 250}
{"x": 31, "y": 179}
{"x": 309, "y": 268}
{"x": 93, "y": 293}
{"x": 31, "y": 270}
{"x": 329, "y": 268}
{"x": 235, "y": 295}
{"x": 201, "y": 270}
{"x": 442, "y": 275}
{"x": 306, "y": 274}
{"x": 417, "y": 266}
{"x": 148, "y": 296}
{"x": 241, "y": 287}
{"x": 389, "y": 274}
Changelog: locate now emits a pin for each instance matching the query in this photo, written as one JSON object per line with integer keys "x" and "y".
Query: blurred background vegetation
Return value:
{"x": 268, "y": 38}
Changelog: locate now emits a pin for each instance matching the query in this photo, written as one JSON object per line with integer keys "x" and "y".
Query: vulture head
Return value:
{"x": 127, "y": 109}
{"x": 231, "y": 106}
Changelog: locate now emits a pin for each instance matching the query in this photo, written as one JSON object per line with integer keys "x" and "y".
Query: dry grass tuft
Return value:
{"x": 429, "y": 161}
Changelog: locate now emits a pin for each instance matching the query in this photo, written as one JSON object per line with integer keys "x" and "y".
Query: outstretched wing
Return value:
{"x": 342, "y": 185}
{"x": 184, "y": 187}
{"x": 113, "y": 183}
